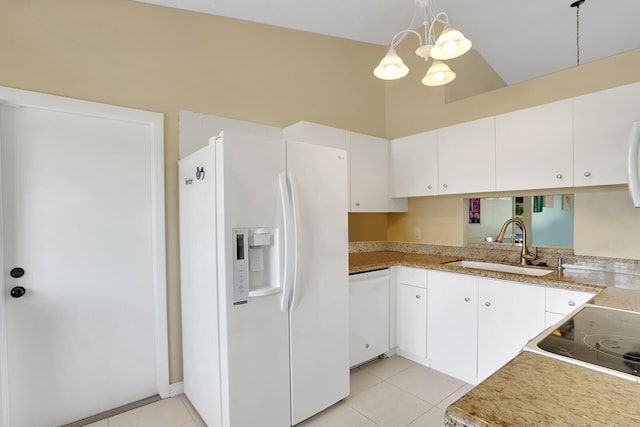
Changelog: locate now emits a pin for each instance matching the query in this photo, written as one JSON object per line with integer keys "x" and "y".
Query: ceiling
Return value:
{"x": 519, "y": 39}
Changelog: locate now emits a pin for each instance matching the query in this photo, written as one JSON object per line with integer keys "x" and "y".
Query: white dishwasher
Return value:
{"x": 368, "y": 315}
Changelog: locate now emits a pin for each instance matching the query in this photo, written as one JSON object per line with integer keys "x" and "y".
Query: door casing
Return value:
{"x": 18, "y": 97}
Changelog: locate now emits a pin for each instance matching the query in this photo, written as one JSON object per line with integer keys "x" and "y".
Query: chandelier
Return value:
{"x": 450, "y": 44}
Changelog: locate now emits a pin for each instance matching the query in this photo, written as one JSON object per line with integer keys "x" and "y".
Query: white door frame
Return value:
{"x": 17, "y": 97}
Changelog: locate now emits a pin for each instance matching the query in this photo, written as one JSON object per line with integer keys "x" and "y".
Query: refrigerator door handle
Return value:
{"x": 287, "y": 213}
{"x": 295, "y": 208}
{"x": 632, "y": 164}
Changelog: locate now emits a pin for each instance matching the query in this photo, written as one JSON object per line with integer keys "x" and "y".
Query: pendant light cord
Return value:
{"x": 577, "y": 4}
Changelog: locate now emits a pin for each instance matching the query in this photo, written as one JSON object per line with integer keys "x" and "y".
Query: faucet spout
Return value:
{"x": 525, "y": 255}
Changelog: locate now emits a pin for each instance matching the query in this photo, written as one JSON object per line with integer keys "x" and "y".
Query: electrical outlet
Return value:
{"x": 417, "y": 233}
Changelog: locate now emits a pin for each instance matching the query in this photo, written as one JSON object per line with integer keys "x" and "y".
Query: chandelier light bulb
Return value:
{"x": 391, "y": 67}
{"x": 438, "y": 74}
{"x": 451, "y": 44}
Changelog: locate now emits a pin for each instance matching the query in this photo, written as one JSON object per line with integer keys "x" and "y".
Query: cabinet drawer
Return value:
{"x": 564, "y": 301}
{"x": 551, "y": 319}
{"x": 412, "y": 276}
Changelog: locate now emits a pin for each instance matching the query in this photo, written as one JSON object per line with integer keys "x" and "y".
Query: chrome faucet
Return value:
{"x": 525, "y": 255}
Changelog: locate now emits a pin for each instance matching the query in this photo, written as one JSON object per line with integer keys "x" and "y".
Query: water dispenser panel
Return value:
{"x": 256, "y": 262}
{"x": 241, "y": 264}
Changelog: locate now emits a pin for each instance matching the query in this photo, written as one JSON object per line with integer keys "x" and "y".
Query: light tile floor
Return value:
{"x": 391, "y": 392}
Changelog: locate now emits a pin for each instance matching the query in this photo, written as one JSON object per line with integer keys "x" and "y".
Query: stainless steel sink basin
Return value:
{"x": 504, "y": 268}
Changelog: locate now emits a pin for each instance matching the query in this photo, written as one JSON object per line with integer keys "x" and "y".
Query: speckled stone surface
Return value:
{"x": 585, "y": 280}
{"x": 580, "y": 272}
{"x": 624, "y": 299}
{"x": 535, "y": 390}
{"x": 505, "y": 253}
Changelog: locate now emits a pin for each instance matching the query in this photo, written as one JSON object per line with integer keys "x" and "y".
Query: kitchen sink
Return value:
{"x": 505, "y": 268}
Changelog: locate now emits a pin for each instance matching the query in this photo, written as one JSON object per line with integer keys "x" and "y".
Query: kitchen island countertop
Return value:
{"x": 536, "y": 390}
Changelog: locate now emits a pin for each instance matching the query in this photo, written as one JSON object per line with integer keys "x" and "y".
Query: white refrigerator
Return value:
{"x": 264, "y": 280}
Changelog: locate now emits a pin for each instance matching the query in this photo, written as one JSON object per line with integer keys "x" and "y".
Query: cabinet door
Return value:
{"x": 414, "y": 165}
{"x": 534, "y": 148}
{"x": 452, "y": 335}
{"x": 412, "y": 320}
{"x": 509, "y": 315}
{"x": 370, "y": 175}
{"x": 601, "y": 126}
{"x": 467, "y": 157}
{"x": 368, "y": 316}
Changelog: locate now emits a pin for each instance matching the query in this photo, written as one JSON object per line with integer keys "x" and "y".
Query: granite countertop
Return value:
{"x": 575, "y": 279}
{"x": 533, "y": 389}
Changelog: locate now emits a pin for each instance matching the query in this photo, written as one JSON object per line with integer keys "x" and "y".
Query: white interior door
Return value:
{"x": 77, "y": 217}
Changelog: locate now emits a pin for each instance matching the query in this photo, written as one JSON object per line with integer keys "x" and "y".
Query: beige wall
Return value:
{"x": 367, "y": 227}
{"x": 161, "y": 59}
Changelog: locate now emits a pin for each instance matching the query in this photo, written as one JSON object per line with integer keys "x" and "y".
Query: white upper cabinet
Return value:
{"x": 414, "y": 165}
{"x": 369, "y": 183}
{"x": 313, "y": 133}
{"x": 534, "y": 147}
{"x": 370, "y": 176}
{"x": 601, "y": 128}
{"x": 467, "y": 157}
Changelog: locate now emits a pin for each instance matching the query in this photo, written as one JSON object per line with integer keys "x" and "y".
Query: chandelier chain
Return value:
{"x": 577, "y": 4}
{"x": 578, "y": 35}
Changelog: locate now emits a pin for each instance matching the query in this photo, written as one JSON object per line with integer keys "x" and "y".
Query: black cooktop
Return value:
{"x": 600, "y": 336}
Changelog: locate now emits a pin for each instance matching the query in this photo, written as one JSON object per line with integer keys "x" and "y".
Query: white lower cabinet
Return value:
{"x": 476, "y": 325}
{"x": 509, "y": 315}
{"x": 452, "y": 324}
{"x": 411, "y": 336}
{"x": 368, "y": 316}
{"x": 467, "y": 326}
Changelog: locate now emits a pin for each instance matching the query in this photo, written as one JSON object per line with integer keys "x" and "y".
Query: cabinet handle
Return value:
{"x": 417, "y": 296}
{"x": 587, "y": 174}
{"x": 444, "y": 185}
{"x": 366, "y": 346}
{"x": 559, "y": 176}
{"x": 467, "y": 299}
{"x": 357, "y": 204}
{"x": 429, "y": 187}
{"x": 572, "y": 303}
{"x": 488, "y": 304}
